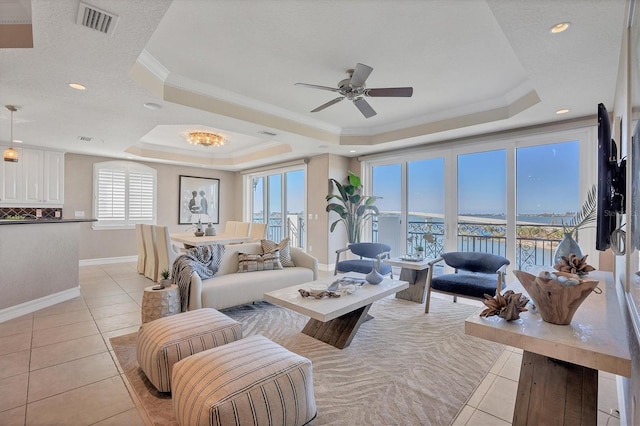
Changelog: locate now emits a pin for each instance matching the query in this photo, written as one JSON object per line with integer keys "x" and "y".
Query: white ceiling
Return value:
{"x": 229, "y": 66}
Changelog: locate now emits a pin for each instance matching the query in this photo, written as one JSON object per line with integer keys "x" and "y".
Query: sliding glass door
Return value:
{"x": 482, "y": 205}
{"x": 547, "y": 194}
{"x": 411, "y": 207}
{"x": 278, "y": 199}
{"x": 509, "y": 198}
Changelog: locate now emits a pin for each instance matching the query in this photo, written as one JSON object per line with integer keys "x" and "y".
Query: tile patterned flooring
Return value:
{"x": 57, "y": 366}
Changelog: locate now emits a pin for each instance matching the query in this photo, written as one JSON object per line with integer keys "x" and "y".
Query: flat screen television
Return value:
{"x": 611, "y": 182}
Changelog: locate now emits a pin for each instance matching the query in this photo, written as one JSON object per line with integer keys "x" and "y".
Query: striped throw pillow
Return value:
{"x": 283, "y": 247}
{"x": 259, "y": 262}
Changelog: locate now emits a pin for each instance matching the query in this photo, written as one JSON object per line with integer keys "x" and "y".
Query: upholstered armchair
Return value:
{"x": 476, "y": 274}
{"x": 368, "y": 254}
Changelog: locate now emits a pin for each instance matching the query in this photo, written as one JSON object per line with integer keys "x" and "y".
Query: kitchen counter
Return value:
{"x": 31, "y": 221}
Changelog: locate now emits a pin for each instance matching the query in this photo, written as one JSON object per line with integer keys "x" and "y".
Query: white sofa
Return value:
{"x": 229, "y": 288}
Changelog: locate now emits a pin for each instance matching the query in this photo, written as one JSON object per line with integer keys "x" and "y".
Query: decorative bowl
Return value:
{"x": 199, "y": 233}
{"x": 556, "y": 303}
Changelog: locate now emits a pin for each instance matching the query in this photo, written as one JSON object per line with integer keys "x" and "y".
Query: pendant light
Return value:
{"x": 11, "y": 154}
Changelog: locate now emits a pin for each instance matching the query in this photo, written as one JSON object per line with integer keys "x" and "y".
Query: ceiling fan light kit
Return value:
{"x": 354, "y": 89}
{"x": 10, "y": 154}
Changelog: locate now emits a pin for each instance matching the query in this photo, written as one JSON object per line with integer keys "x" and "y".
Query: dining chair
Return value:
{"x": 476, "y": 274}
{"x": 258, "y": 231}
{"x": 167, "y": 251}
{"x": 242, "y": 229}
{"x": 230, "y": 227}
{"x": 151, "y": 268}
{"x": 368, "y": 254}
{"x": 141, "y": 251}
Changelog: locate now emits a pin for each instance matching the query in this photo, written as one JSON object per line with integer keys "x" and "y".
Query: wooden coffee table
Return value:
{"x": 334, "y": 320}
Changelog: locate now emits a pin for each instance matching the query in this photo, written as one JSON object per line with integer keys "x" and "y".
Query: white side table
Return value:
{"x": 160, "y": 303}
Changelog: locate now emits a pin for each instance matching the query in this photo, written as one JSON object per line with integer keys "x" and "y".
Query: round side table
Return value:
{"x": 160, "y": 303}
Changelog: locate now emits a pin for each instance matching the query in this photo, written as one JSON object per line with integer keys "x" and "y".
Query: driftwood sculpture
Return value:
{"x": 556, "y": 301}
{"x": 319, "y": 295}
{"x": 574, "y": 264}
{"x": 507, "y": 305}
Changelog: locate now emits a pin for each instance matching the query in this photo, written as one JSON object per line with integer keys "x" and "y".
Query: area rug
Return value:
{"x": 402, "y": 367}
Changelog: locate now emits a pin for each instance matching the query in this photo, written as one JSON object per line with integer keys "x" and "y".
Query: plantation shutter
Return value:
{"x": 141, "y": 195}
{"x": 124, "y": 194}
{"x": 111, "y": 194}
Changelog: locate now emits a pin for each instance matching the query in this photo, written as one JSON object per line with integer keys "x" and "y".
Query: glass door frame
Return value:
{"x": 264, "y": 174}
{"x": 585, "y": 135}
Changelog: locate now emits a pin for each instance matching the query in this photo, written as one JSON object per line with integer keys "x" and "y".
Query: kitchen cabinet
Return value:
{"x": 36, "y": 179}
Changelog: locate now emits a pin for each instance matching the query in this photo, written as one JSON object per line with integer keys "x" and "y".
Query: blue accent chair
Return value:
{"x": 476, "y": 274}
{"x": 368, "y": 254}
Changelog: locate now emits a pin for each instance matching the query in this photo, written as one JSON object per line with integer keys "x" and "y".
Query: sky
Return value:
{"x": 546, "y": 182}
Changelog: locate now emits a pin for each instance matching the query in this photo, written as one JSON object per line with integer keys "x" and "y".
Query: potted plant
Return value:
{"x": 419, "y": 251}
{"x": 165, "y": 281}
{"x": 353, "y": 208}
{"x": 584, "y": 217}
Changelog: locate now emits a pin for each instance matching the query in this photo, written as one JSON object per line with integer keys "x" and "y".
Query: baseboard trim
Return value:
{"x": 107, "y": 260}
{"x": 35, "y": 305}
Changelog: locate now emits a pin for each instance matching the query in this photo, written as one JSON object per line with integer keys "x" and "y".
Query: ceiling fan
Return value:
{"x": 353, "y": 88}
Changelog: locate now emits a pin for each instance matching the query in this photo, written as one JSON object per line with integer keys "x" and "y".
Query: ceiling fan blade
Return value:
{"x": 328, "y": 104}
{"x": 401, "y": 92}
{"x": 315, "y": 86}
{"x": 364, "y": 107}
{"x": 360, "y": 75}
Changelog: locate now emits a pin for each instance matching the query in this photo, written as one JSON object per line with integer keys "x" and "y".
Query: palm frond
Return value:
{"x": 587, "y": 214}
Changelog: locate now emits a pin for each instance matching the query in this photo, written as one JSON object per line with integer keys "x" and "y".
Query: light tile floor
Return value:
{"x": 57, "y": 366}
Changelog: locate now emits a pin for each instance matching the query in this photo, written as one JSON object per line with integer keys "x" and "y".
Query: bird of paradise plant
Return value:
{"x": 351, "y": 205}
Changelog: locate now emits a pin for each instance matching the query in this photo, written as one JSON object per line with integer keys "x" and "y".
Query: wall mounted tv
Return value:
{"x": 611, "y": 182}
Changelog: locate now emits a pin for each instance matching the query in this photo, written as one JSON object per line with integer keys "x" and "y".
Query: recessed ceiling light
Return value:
{"x": 77, "y": 86}
{"x": 152, "y": 105}
{"x": 352, "y": 150}
{"x": 558, "y": 28}
{"x": 562, "y": 111}
{"x": 17, "y": 141}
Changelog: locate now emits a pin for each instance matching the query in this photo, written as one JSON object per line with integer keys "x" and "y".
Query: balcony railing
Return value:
{"x": 535, "y": 244}
{"x": 295, "y": 229}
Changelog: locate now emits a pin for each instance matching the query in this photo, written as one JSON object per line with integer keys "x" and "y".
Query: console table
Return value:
{"x": 559, "y": 374}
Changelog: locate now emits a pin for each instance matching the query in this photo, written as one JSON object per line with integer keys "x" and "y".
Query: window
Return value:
{"x": 507, "y": 197}
{"x": 273, "y": 192}
{"x": 124, "y": 193}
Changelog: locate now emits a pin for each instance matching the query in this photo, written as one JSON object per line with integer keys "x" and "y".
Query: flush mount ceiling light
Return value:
{"x": 558, "y": 28}
{"x": 11, "y": 154}
{"x": 77, "y": 86}
{"x": 206, "y": 138}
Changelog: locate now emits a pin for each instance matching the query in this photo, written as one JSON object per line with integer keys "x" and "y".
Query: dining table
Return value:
{"x": 190, "y": 240}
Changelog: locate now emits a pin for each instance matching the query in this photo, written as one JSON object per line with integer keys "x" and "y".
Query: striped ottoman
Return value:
{"x": 165, "y": 341}
{"x": 252, "y": 381}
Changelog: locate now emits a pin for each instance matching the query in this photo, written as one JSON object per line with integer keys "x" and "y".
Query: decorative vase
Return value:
{"x": 210, "y": 231}
{"x": 374, "y": 277}
{"x": 166, "y": 283}
{"x": 567, "y": 246}
{"x": 420, "y": 254}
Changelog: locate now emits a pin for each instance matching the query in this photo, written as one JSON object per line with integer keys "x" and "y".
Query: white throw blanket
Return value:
{"x": 202, "y": 260}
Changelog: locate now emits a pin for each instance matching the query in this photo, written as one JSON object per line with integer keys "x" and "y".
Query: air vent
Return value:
{"x": 96, "y": 19}
{"x": 88, "y": 139}
{"x": 268, "y": 133}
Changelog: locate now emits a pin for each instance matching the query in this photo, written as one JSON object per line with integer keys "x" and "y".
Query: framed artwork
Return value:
{"x": 199, "y": 199}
